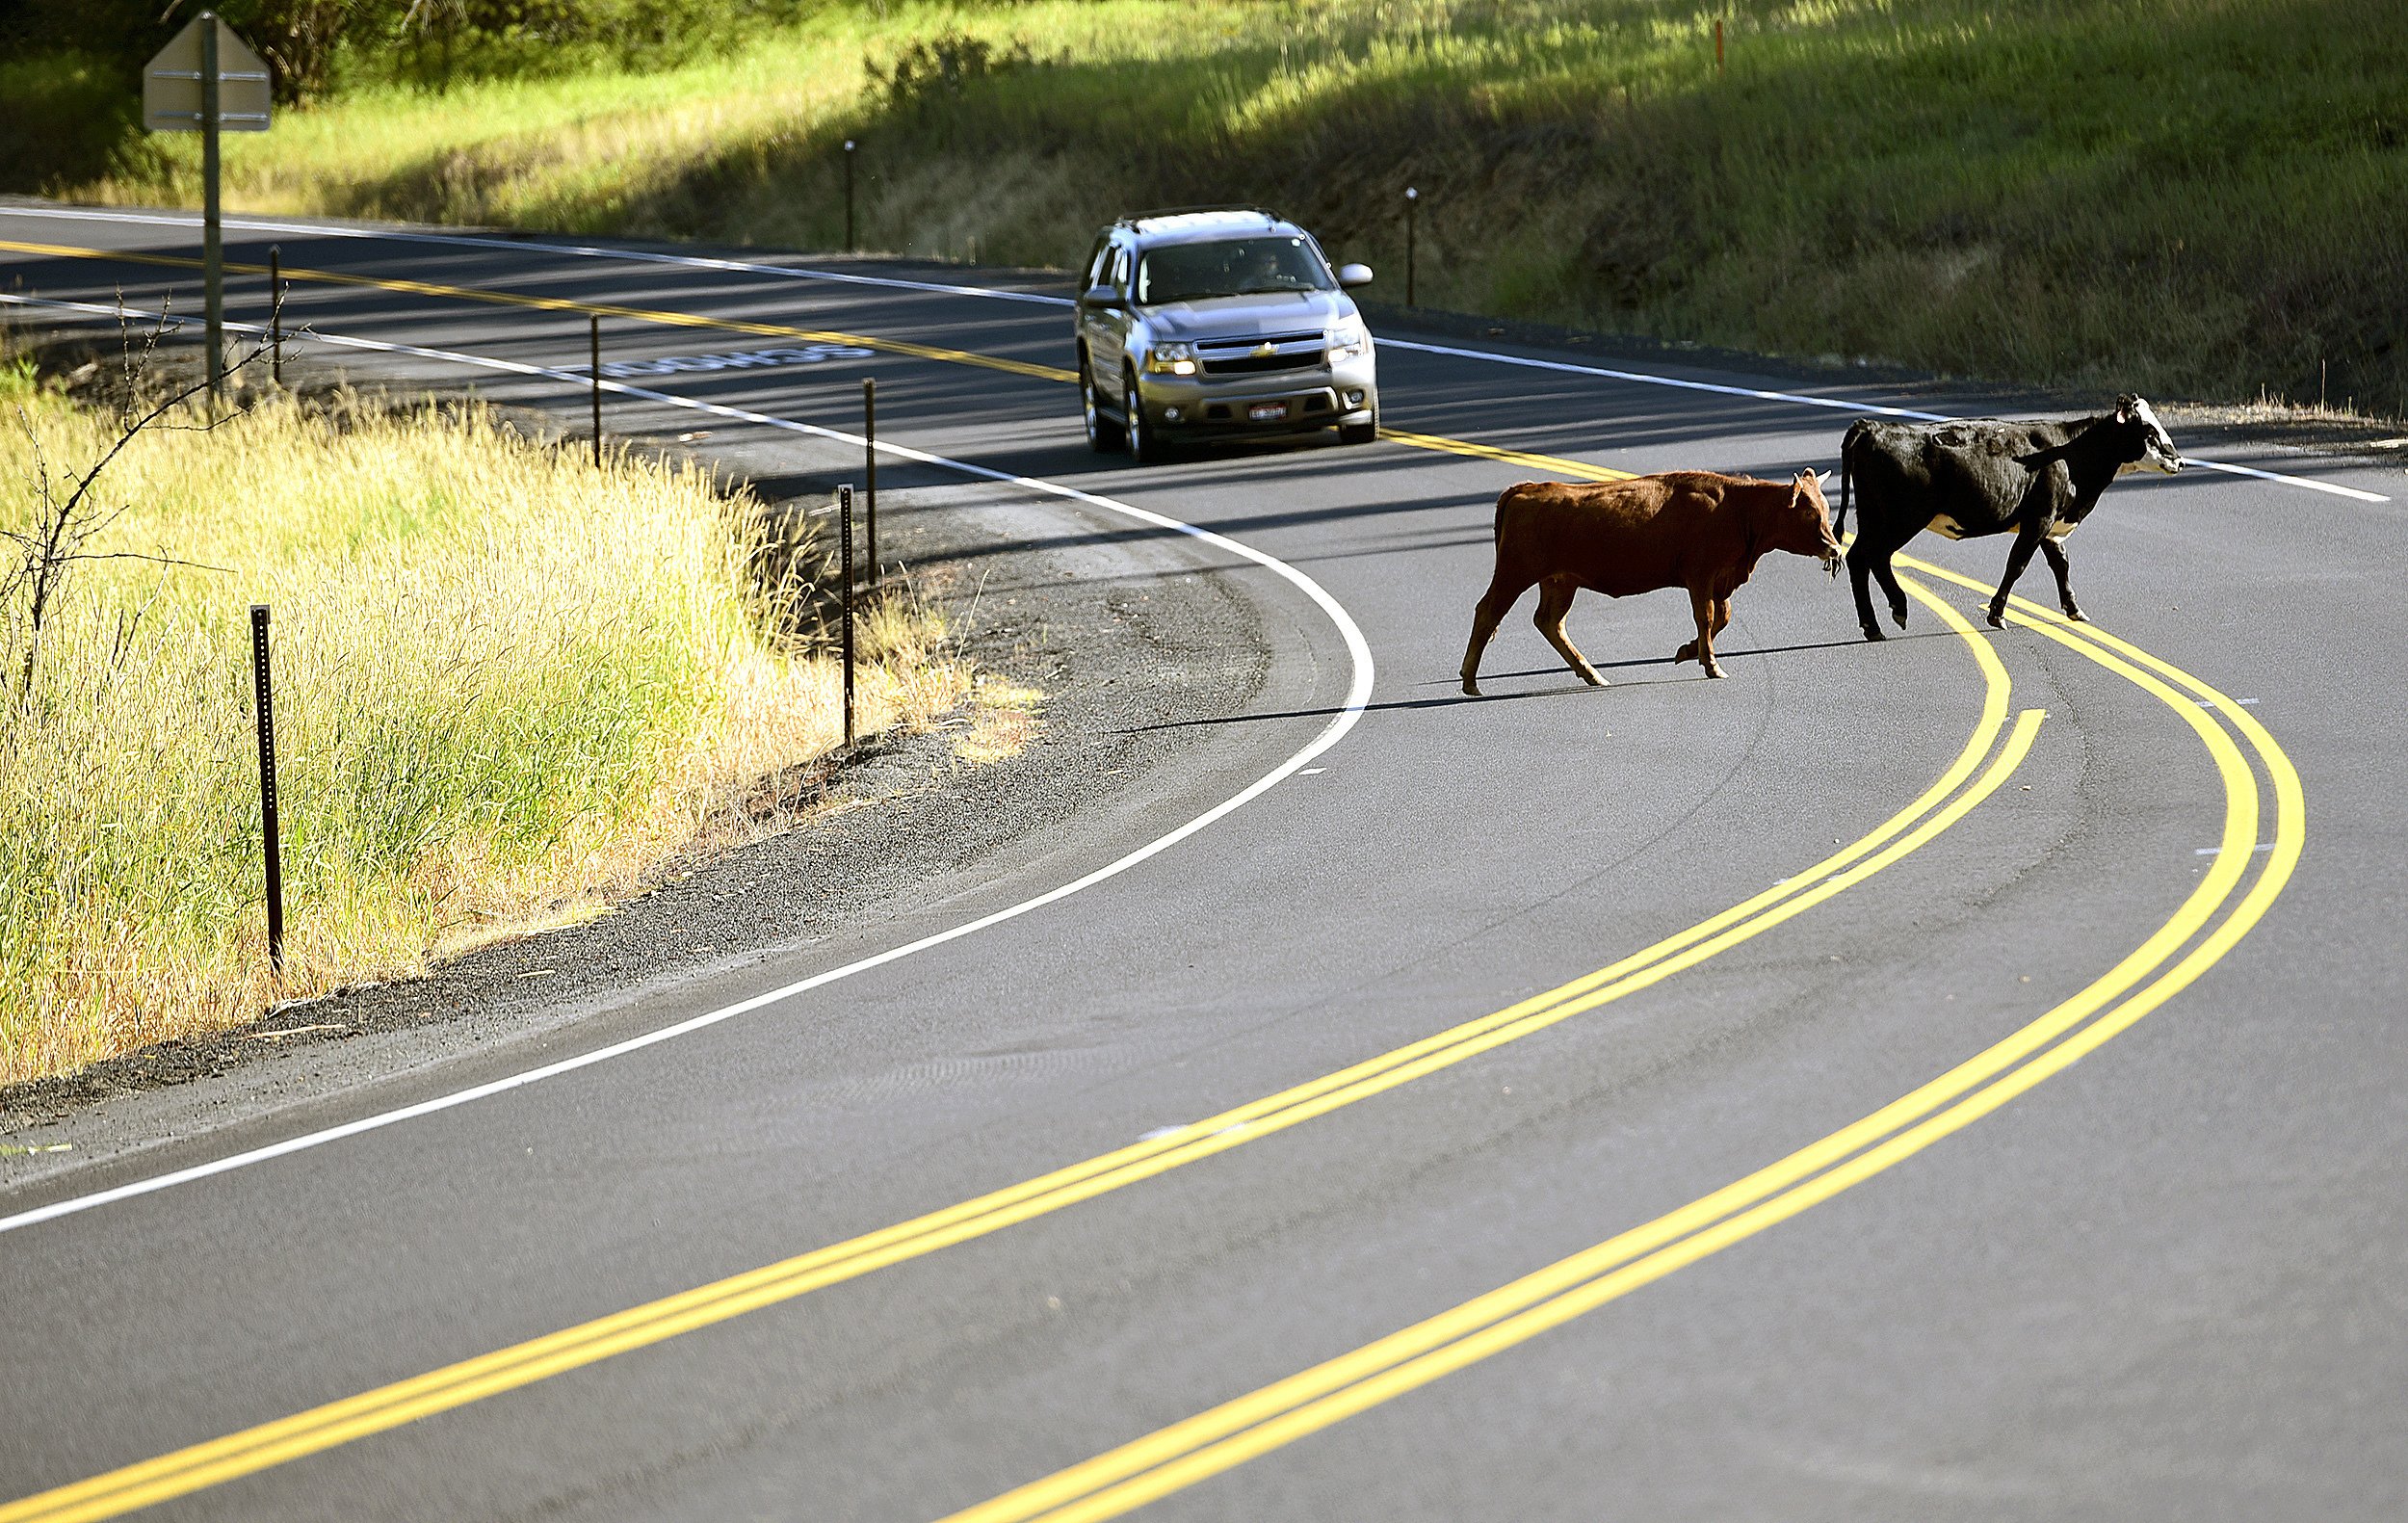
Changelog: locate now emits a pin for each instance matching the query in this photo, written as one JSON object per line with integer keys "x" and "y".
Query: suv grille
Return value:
{"x": 1244, "y": 356}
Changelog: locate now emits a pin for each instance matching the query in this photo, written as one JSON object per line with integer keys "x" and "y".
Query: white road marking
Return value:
{"x": 943, "y": 288}
{"x": 1358, "y": 693}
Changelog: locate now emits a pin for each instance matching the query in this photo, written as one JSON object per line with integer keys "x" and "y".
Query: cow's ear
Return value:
{"x": 2125, "y": 405}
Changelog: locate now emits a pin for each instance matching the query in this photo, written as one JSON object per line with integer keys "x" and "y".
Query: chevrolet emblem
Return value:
{"x": 1265, "y": 350}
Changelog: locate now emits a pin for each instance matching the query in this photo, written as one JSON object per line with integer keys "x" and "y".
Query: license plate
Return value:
{"x": 1267, "y": 412}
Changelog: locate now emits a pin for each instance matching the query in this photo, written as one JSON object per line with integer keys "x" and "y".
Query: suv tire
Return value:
{"x": 1103, "y": 436}
{"x": 1144, "y": 447}
{"x": 1360, "y": 432}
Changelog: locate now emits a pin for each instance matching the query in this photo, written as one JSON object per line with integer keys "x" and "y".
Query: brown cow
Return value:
{"x": 1691, "y": 528}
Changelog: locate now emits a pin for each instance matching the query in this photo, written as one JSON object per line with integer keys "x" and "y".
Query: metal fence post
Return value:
{"x": 1412, "y": 204}
{"x": 276, "y": 314}
{"x": 1717, "y": 47}
{"x": 869, "y": 435}
{"x": 594, "y": 333}
{"x": 849, "y": 239}
{"x": 265, "y": 708}
{"x": 844, "y": 553}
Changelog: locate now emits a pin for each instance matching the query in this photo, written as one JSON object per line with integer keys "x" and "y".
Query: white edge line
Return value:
{"x": 896, "y": 282}
{"x": 1358, "y": 694}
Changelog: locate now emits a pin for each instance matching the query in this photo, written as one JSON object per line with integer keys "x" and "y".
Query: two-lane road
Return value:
{"x": 1741, "y": 1014}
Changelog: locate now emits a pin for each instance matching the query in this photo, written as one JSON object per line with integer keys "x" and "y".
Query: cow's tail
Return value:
{"x": 1847, "y": 453}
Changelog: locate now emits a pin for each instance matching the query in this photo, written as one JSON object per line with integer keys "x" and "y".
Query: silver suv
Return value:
{"x": 1219, "y": 321}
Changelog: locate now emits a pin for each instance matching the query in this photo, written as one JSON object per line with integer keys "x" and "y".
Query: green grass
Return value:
{"x": 508, "y": 684}
{"x": 2192, "y": 197}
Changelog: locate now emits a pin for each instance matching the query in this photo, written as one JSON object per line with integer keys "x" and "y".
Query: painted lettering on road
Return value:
{"x": 743, "y": 359}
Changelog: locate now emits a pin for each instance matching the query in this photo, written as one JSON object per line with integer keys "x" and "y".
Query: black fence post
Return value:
{"x": 265, "y": 708}
{"x": 869, "y": 435}
{"x": 593, "y": 335}
{"x": 849, "y": 239}
{"x": 276, "y": 314}
{"x": 1412, "y": 204}
{"x": 844, "y": 554}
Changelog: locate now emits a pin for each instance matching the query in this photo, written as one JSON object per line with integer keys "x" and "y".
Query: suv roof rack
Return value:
{"x": 1187, "y": 211}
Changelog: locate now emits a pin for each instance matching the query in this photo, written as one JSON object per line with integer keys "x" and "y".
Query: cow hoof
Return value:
{"x": 1591, "y": 679}
{"x": 1873, "y": 632}
{"x": 2075, "y": 615}
{"x": 1713, "y": 670}
{"x": 1898, "y": 617}
{"x": 1997, "y": 618}
{"x": 1471, "y": 688}
{"x": 1688, "y": 652}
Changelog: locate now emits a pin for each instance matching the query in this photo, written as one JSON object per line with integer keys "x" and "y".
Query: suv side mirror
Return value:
{"x": 1351, "y": 275}
{"x": 1103, "y": 297}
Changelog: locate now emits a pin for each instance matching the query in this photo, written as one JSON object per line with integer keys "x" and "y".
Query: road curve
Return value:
{"x": 1339, "y": 1157}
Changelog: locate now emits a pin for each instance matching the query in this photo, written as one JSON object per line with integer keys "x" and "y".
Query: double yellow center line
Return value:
{"x": 1225, "y": 1437}
{"x": 251, "y": 1449}
{"x": 558, "y": 303}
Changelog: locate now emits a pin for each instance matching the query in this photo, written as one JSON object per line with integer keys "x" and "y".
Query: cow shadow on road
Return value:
{"x": 1561, "y": 689}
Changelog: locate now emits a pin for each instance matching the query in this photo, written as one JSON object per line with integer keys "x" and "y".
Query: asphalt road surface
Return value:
{"x": 1836, "y": 1091}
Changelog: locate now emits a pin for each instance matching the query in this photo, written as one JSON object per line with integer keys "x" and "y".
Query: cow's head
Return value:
{"x": 1805, "y": 523}
{"x": 2147, "y": 445}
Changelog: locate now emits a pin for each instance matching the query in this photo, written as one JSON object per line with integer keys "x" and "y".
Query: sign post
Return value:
{"x": 208, "y": 81}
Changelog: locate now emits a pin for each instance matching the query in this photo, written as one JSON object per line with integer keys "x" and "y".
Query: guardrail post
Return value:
{"x": 1412, "y": 204}
{"x": 844, "y": 554}
{"x": 593, "y": 335}
{"x": 264, "y": 707}
{"x": 868, "y": 436}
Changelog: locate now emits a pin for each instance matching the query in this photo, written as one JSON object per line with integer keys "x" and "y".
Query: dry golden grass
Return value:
{"x": 508, "y": 684}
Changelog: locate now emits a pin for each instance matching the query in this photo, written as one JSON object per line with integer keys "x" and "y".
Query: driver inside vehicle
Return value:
{"x": 1261, "y": 270}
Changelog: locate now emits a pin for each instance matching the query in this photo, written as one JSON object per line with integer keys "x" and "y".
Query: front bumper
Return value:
{"x": 1287, "y": 402}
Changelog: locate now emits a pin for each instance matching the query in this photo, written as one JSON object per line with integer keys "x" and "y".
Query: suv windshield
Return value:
{"x": 1229, "y": 267}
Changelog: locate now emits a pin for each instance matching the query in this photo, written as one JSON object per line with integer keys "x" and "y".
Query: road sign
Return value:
{"x": 172, "y": 81}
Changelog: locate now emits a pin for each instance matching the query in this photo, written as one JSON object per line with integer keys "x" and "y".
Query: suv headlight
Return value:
{"x": 1348, "y": 341}
{"x": 1171, "y": 359}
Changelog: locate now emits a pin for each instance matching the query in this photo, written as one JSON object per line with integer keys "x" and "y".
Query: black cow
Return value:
{"x": 1981, "y": 477}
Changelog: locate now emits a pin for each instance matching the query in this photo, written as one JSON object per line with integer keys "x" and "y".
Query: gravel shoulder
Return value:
{"x": 1130, "y": 638}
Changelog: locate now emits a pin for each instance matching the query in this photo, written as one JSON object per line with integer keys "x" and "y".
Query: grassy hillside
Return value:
{"x": 507, "y": 683}
{"x": 2191, "y": 197}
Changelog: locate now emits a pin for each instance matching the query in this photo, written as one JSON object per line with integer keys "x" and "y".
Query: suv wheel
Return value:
{"x": 1360, "y": 432}
{"x": 1102, "y": 435}
{"x": 1144, "y": 447}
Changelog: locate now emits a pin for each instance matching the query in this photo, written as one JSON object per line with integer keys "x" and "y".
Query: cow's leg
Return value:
{"x": 1864, "y": 558}
{"x": 1711, "y": 613}
{"x": 1555, "y": 600}
{"x": 2028, "y": 538}
{"x": 1722, "y": 622}
{"x": 1494, "y": 605}
{"x": 2064, "y": 570}
{"x": 1896, "y": 594}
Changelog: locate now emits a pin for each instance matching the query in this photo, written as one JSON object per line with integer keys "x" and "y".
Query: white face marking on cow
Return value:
{"x": 2161, "y": 456}
{"x": 1942, "y": 523}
